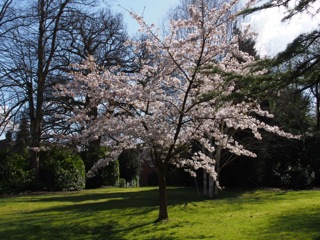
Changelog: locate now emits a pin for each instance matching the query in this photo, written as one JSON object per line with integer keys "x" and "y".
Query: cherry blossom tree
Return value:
{"x": 180, "y": 95}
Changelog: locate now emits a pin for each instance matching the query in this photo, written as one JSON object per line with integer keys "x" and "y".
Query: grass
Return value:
{"x": 114, "y": 213}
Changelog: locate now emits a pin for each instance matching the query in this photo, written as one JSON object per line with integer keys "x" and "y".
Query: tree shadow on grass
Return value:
{"x": 102, "y": 201}
{"x": 301, "y": 224}
{"x": 89, "y": 216}
{"x": 34, "y": 229}
{"x": 254, "y": 196}
{"x": 123, "y": 199}
{"x": 92, "y": 215}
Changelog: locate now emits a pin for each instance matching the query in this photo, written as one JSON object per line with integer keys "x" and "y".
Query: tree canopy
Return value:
{"x": 175, "y": 98}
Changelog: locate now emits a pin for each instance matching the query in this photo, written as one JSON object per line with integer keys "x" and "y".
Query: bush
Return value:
{"x": 105, "y": 176}
{"x": 61, "y": 169}
{"x": 130, "y": 165}
{"x": 135, "y": 182}
{"x": 296, "y": 177}
{"x": 14, "y": 174}
{"x": 122, "y": 183}
{"x": 312, "y": 154}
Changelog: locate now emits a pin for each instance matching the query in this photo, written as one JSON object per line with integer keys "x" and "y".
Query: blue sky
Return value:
{"x": 152, "y": 10}
{"x": 273, "y": 35}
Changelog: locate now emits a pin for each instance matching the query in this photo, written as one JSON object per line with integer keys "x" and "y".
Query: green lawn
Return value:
{"x": 114, "y": 213}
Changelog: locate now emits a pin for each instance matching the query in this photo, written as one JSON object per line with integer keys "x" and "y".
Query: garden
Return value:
{"x": 182, "y": 131}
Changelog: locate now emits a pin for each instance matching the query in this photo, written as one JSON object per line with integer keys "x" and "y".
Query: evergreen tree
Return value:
{"x": 23, "y": 135}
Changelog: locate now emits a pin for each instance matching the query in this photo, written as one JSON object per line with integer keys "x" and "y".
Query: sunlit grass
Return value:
{"x": 114, "y": 213}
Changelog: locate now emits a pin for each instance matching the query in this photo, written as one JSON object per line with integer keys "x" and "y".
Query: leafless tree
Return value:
{"x": 29, "y": 62}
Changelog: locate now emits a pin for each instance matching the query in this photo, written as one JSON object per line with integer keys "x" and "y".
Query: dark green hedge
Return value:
{"x": 61, "y": 169}
{"x": 130, "y": 165}
{"x": 14, "y": 174}
{"x": 105, "y": 176}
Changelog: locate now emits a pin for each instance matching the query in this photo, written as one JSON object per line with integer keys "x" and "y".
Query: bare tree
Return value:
{"x": 102, "y": 35}
{"x": 7, "y": 15}
{"x": 29, "y": 63}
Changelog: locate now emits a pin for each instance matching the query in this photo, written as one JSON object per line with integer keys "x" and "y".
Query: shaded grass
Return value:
{"x": 115, "y": 213}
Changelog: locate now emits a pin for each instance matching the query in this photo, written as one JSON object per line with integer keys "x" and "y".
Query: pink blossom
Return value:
{"x": 175, "y": 100}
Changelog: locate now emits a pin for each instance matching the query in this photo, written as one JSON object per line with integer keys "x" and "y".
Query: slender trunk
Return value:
{"x": 218, "y": 155}
{"x": 35, "y": 146}
{"x": 34, "y": 164}
{"x": 218, "y": 164}
{"x": 34, "y": 161}
{"x": 163, "y": 210}
{"x": 205, "y": 183}
{"x": 35, "y": 132}
{"x": 211, "y": 185}
{"x": 317, "y": 105}
{"x": 93, "y": 145}
{"x": 216, "y": 189}
{"x": 34, "y": 143}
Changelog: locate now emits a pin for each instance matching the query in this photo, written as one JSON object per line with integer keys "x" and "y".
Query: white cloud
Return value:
{"x": 274, "y": 35}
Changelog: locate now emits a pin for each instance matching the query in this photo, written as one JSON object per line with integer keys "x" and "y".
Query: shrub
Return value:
{"x": 122, "y": 183}
{"x": 105, "y": 176}
{"x": 296, "y": 177}
{"x": 130, "y": 165}
{"x": 61, "y": 169}
{"x": 14, "y": 174}
{"x": 312, "y": 152}
{"x": 135, "y": 182}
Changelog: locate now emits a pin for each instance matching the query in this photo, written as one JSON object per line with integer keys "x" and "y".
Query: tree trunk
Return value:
{"x": 163, "y": 210}
{"x": 34, "y": 164}
{"x": 35, "y": 147}
{"x": 205, "y": 183}
{"x": 216, "y": 189}
{"x": 211, "y": 185}
{"x": 317, "y": 105}
{"x": 218, "y": 165}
